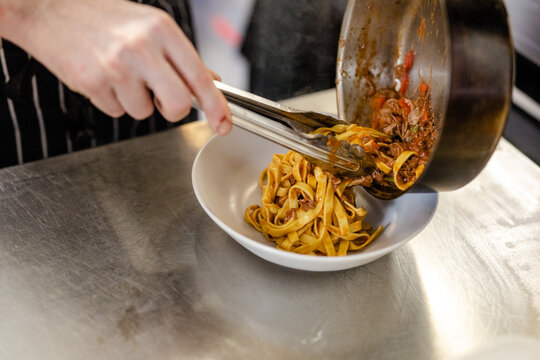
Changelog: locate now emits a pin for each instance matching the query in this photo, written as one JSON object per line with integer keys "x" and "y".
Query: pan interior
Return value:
{"x": 375, "y": 37}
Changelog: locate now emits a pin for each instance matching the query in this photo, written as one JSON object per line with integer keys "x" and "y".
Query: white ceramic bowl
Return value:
{"x": 225, "y": 179}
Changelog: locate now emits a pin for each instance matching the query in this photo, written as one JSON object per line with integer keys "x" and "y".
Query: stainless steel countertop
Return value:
{"x": 106, "y": 254}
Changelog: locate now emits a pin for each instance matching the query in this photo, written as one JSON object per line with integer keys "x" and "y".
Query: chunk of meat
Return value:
{"x": 290, "y": 214}
{"x": 362, "y": 180}
{"x": 335, "y": 181}
{"x": 307, "y": 204}
{"x": 392, "y": 118}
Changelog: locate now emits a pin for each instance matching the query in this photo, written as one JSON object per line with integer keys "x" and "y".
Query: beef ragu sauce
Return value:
{"x": 405, "y": 132}
{"x": 408, "y": 123}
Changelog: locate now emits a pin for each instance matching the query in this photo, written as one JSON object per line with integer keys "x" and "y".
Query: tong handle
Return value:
{"x": 292, "y": 117}
{"x": 281, "y": 135}
{"x": 258, "y": 104}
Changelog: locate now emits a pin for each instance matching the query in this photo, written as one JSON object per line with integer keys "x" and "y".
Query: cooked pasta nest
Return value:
{"x": 307, "y": 210}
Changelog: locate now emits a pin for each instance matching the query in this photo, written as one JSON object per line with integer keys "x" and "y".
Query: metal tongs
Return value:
{"x": 293, "y": 129}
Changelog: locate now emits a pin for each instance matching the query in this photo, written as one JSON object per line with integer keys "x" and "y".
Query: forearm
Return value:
{"x": 16, "y": 17}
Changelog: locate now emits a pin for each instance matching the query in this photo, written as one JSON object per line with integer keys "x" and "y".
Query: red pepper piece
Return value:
{"x": 425, "y": 116}
{"x": 423, "y": 88}
{"x": 374, "y": 144}
{"x": 404, "y": 83}
{"x": 409, "y": 61}
{"x": 378, "y": 102}
{"x": 403, "y": 104}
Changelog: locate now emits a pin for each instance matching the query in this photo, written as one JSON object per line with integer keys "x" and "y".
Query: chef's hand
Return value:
{"x": 125, "y": 57}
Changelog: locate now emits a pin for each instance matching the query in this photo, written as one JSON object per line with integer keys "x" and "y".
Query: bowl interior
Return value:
{"x": 226, "y": 181}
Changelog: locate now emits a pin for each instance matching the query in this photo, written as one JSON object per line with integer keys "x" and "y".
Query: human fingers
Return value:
{"x": 171, "y": 96}
{"x": 198, "y": 79}
{"x": 215, "y": 75}
{"x": 107, "y": 102}
{"x": 135, "y": 98}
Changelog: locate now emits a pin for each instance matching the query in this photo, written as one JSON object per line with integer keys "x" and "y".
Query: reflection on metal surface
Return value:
{"x": 448, "y": 320}
{"x": 526, "y": 103}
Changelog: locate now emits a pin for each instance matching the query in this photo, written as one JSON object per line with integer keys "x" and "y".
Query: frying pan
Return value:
{"x": 463, "y": 47}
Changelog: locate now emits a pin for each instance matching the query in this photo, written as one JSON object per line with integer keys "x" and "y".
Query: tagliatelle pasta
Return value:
{"x": 307, "y": 210}
{"x": 395, "y": 164}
